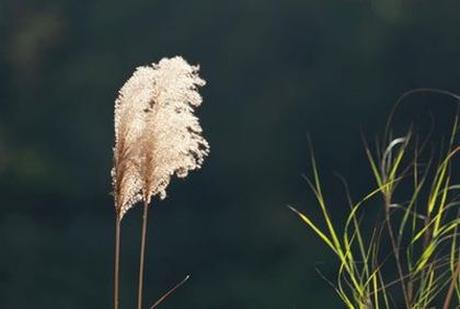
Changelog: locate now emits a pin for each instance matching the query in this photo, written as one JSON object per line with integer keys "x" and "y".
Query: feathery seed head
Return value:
{"x": 156, "y": 133}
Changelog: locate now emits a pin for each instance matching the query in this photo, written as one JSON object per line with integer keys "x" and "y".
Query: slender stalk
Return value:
{"x": 167, "y": 294}
{"x": 452, "y": 286}
{"x": 116, "y": 271}
{"x": 395, "y": 248}
{"x": 142, "y": 256}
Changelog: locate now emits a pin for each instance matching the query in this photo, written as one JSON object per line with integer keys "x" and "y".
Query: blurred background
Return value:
{"x": 277, "y": 71}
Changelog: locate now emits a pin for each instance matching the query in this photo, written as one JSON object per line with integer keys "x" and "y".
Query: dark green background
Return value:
{"x": 276, "y": 71}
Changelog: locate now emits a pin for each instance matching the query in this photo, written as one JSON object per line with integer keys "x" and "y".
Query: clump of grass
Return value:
{"x": 157, "y": 136}
{"x": 411, "y": 257}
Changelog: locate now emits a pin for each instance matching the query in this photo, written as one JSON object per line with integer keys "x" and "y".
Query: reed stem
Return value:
{"x": 142, "y": 256}
{"x": 452, "y": 286}
{"x": 395, "y": 247}
{"x": 116, "y": 264}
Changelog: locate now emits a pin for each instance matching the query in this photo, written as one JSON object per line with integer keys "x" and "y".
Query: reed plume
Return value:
{"x": 157, "y": 136}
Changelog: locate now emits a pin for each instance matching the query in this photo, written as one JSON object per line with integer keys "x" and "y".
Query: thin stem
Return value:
{"x": 116, "y": 271}
{"x": 141, "y": 259}
{"x": 167, "y": 294}
{"x": 452, "y": 286}
{"x": 395, "y": 248}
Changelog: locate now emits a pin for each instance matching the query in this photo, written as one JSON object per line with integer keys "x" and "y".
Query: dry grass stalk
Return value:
{"x": 157, "y": 136}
